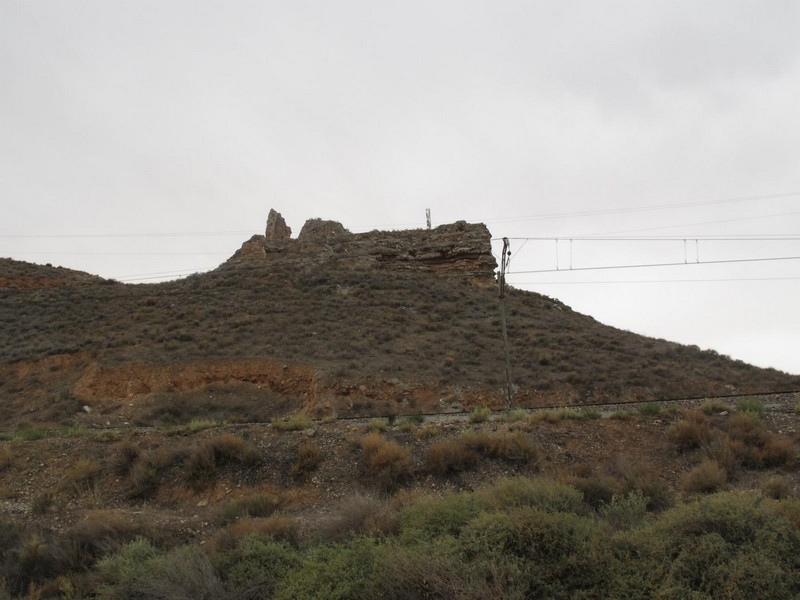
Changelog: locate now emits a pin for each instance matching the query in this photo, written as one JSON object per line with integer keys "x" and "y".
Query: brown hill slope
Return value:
{"x": 357, "y": 324}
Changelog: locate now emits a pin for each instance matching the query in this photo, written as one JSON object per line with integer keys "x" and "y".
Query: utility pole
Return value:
{"x": 428, "y": 217}
{"x": 501, "y": 280}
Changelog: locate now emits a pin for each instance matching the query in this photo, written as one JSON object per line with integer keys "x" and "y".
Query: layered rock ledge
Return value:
{"x": 459, "y": 249}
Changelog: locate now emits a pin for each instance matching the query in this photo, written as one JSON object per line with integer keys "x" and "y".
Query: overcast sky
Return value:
{"x": 541, "y": 119}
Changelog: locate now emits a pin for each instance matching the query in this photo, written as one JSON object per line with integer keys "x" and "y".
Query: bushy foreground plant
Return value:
{"x": 520, "y": 538}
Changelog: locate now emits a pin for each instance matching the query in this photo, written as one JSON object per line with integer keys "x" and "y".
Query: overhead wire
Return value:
{"x": 653, "y": 265}
{"x": 584, "y": 213}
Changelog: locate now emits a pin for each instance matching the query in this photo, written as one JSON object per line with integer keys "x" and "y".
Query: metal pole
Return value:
{"x": 501, "y": 280}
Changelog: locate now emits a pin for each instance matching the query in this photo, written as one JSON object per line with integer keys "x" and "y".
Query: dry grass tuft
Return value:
{"x": 6, "y": 458}
{"x": 388, "y": 463}
{"x": 278, "y": 526}
{"x": 691, "y": 432}
{"x": 450, "y": 456}
{"x": 123, "y": 457}
{"x": 309, "y": 457}
{"x": 82, "y": 476}
{"x": 204, "y": 460}
{"x": 705, "y": 478}
{"x": 259, "y": 504}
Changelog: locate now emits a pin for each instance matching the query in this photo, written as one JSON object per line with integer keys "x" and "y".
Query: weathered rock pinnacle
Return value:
{"x": 277, "y": 229}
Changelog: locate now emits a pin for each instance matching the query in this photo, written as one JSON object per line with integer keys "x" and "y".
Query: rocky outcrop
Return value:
{"x": 277, "y": 229}
{"x": 321, "y": 230}
{"x": 459, "y": 249}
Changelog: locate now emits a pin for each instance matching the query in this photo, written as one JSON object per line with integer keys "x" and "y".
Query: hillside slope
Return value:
{"x": 356, "y": 324}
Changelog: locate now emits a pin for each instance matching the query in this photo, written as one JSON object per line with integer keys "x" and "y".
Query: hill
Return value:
{"x": 160, "y": 441}
{"x": 379, "y": 323}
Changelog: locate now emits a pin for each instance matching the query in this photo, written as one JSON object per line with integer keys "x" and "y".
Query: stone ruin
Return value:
{"x": 461, "y": 249}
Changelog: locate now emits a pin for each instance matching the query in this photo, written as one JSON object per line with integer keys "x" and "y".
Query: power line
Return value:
{"x": 785, "y": 214}
{"x": 545, "y": 216}
{"x": 704, "y": 238}
{"x": 672, "y": 264}
{"x": 637, "y": 281}
{"x": 127, "y": 235}
{"x": 632, "y": 209}
{"x": 59, "y": 253}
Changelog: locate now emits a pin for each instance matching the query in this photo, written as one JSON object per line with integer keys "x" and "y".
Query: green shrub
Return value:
{"x": 99, "y": 533}
{"x": 415, "y": 419}
{"x": 622, "y": 414}
{"x": 480, "y": 414}
{"x": 295, "y": 422}
{"x": 336, "y": 572}
{"x": 777, "y": 488}
{"x": 429, "y": 518}
{"x": 649, "y": 409}
{"x": 625, "y": 511}
{"x": 726, "y": 545}
{"x": 750, "y": 406}
{"x": 543, "y": 494}
{"x": 713, "y": 407}
{"x": 558, "y": 555}
{"x": 377, "y": 424}
{"x": 590, "y": 413}
{"x": 183, "y": 574}
{"x": 597, "y": 490}
{"x": 554, "y": 415}
{"x": 513, "y": 415}
{"x": 31, "y": 433}
{"x": 256, "y": 566}
{"x": 117, "y": 572}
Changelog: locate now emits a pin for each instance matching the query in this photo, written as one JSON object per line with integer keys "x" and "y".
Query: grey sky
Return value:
{"x": 147, "y": 117}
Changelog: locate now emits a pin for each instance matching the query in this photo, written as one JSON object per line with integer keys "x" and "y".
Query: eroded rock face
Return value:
{"x": 277, "y": 229}
{"x": 319, "y": 229}
{"x": 460, "y": 249}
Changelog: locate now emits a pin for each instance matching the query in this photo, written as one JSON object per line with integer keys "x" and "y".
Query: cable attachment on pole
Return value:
{"x": 501, "y": 281}
{"x": 504, "y": 259}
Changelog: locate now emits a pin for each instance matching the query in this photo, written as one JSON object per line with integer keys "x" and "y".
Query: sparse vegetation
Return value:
{"x": 82, "y": 476}
{"x": 479, "y": 414}
{"x": 750, "y": 406}
{"x": 309, "y": 457}
{"x": 690, "y": 432}
{"x": 649, "y": 409}
{"x": 609, "y": 523}
{"x": 387, "y": 463}
{"x": 123, "y": 457}
{"x": 205, "y": 459}
{"x": 713, "y": 407}
{"x": 296, "y": 422}
{"x": 705, "y": 478}
{"x": 259, "y": 504}
{"x": 6, "y": 458}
